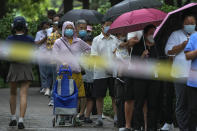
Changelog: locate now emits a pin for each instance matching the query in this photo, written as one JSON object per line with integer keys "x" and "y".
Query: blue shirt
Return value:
{"x": 192, "y": 46}
{"x": 23, "y": 38}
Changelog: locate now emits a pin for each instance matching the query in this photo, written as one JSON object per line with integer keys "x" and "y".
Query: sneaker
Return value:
{"x": 82, "y": 117}
{"x": 21, "y": 125}
{"x": 47, "y": 92}
{"x": 51, "y": 103}
{"x": 125, "y": 129}
{"x": 99, "y": 123}
{"x": 42, "y": 91}
{"x": 167, "y": 127}
{"x": 13, "y": 123}
{"x": 87, "y": 120}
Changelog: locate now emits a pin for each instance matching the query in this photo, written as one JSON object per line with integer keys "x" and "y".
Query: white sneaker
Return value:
{"x": 121, "y": 129}
{"x": 168, "y": 127}
{"x": 47, "y": 92}
{"x": 42, "y": 91}
{"x": 51, "y": 103}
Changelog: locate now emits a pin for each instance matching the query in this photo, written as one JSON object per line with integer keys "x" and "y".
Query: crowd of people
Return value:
{"x": 137, "y": 103}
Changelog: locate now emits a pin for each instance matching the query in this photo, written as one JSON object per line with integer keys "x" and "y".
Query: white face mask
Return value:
{"x": 150, "y": 38}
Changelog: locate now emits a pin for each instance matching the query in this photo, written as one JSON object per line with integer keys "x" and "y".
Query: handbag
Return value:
{"x": 82, "y": 69}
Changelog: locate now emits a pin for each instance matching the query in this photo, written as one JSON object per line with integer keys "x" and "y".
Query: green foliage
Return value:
{"x": 96, "y": 30}
{"x": 103, "y": 8}
{"x": 5, "y": 28}
{"x": 6, "y": 21}
{"x": 31, "y": 9}
{"x": 168, "y": 8}
{"x": 107, "y": 109}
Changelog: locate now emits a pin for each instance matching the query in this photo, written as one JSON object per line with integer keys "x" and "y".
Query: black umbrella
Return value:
{"x": 172, "y": 22}
{"x": 129, "y": 5}
{"x": 92, "y": 16}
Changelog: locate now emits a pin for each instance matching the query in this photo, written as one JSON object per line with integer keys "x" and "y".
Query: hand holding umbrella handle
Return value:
{"x": 145, "y": 53}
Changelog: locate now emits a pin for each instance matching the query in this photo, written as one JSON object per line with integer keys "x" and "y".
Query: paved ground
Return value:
{"x": 39, "y": 115}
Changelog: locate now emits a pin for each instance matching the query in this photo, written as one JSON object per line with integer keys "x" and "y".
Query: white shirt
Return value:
{"x": 180, "y": 62}
{"x": 137, "y": 34}
{"x": 103, "y": 47}
{"x": 39, "y": 36}
{"x": 49, "y": 31}
{"x": 42, "y": 34}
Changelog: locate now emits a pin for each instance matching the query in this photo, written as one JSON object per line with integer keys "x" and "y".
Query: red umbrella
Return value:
{"x": 136, "y": 20}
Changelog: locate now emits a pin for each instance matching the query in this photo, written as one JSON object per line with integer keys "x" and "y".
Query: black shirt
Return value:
{"x": 139, "y": 48}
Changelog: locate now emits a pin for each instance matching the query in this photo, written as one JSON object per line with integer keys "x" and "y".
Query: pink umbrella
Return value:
{"x": 173, "y": 21}
{"x": 136, "y": 20}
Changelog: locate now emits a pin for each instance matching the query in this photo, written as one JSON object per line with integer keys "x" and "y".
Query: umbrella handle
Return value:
{"x": 144, "y": 42}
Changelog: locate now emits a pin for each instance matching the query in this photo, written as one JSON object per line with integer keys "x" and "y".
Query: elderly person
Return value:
{"x": 81, "y": 28}
{"x": 70, "y": 44}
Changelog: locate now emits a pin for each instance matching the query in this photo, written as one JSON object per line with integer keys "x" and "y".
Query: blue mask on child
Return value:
{"x": 82, "y": 33}
{"x": 68, "y": 32}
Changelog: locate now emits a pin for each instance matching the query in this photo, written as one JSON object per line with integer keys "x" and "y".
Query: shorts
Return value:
{"x": 88, "y": 89}
{"x": 129, "y": 88}
{"x": 80, "y": 85}
{"x": 100, "y": 87}
{"x": 119, "y": 89}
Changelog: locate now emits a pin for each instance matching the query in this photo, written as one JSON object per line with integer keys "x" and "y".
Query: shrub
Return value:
{"x": 168, "y": 8}
{"x": 107, "y": 109}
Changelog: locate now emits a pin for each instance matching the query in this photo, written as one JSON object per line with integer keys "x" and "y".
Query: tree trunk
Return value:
{"x": 113, "y": 2}
{"x": 85, "y": 4}
{"x": 68, "y": 5}
{"x": 169, "y": 2}
{"x": 179, "y": 3}
{"x": 3, "y": 8}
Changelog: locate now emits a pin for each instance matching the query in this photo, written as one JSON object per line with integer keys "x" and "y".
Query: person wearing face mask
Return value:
{"x": 70, "y": 44}
{"x": 81, "y": 27}
{"x": 103, "y": 45}
{"x": 146, "y": 91}
{"x": 50, "y": 43}
{"x": 41, "y": 42}
{"x": 50, "y": 15}
{"x": 55, "y": 21}
{"x": 175, "y": 47}
{"x": 89, "y": 30}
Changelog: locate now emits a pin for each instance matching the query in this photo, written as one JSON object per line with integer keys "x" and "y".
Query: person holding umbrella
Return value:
{"x": 175, "y": 47}
{"x": 191, "y": 54}
{"x": 145, "y": 91}
{"x": 103, "y": 45}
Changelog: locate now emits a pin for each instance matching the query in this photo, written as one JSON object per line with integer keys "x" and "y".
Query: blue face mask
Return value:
{"x": 189, "y": 28}
{"x": 106, "y": 29}
{"x": 68, "y": 32}
{"x": 82, "y": 33}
